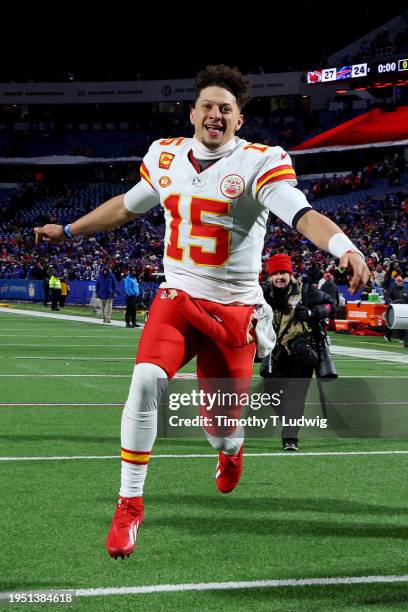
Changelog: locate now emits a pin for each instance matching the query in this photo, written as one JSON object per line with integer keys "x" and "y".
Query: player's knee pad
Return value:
{"x": 148, "y": 383}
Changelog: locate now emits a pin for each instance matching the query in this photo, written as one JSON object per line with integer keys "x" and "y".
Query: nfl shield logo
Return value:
{"x": 196, "y": 182}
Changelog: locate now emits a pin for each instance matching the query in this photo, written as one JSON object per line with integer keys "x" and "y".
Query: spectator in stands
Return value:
{"x": 55, "y": 288}
{"x": 65, "y": 289}
{"x": 105, "y": 290}
{"x": 379, "y": 276}
{"x": 330, "y": 287}
{"x": 397, "y": 293}
{"x": 402, "y": 253}
{"x": 132, "y": 294}
{"x": 314, "y": 273}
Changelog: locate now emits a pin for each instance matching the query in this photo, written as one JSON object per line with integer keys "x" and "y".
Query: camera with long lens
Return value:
{"x": 396, "y": 317}
{"x": 325, "y": 368}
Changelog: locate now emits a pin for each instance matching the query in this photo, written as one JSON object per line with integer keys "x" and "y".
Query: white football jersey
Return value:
{"x": 216, "y": 218}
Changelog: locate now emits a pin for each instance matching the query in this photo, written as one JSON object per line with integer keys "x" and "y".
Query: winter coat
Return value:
{"x": 105, "y": 286}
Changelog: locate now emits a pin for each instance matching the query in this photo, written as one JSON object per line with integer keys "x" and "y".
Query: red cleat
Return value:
{"x": 121, "y": 540}
{"x": 229, "y": 470}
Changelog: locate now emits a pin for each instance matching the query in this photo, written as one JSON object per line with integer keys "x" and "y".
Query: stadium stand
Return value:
{"x": 370, "y": 211}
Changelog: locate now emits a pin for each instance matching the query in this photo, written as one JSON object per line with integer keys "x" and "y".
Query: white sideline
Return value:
{"x": 222, "y": 586}
{"x": 368, "y": 353}
{"x": 65, "y": 375}
{"x": 213, "y": 456}
{"x": 63, "y": 317}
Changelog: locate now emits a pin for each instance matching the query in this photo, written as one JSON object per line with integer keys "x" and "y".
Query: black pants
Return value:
{"x": 291, "y": 380}
{"x": 131, "y": 304}
{"x": 55, "y": 298}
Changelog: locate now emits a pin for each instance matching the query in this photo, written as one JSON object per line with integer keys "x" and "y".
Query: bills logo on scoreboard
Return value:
{"x": 232, "y": 186}
{"x": 166, "y": 160}
{"x": 343, "y": 73}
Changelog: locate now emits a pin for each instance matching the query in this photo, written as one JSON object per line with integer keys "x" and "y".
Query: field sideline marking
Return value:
{"x": 93, "y": 335}
{"x": 212, "y": 455}
{"x": 59, "y": 358}
{"x": 66, "y": 375}
{"x": 41, "y": 345}
{"x": 372, "y": 354}
{"x": 221, "y": 586}
{"x": 61, "y": 317}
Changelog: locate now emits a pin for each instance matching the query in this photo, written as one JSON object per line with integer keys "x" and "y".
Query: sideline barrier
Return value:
{"x": 81, "y": 291}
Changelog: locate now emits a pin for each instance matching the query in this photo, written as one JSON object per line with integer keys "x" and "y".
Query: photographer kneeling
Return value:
{"x": 301, "y": 341}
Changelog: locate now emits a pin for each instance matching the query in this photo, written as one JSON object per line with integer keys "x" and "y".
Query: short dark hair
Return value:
{"x": 228, "y": 78}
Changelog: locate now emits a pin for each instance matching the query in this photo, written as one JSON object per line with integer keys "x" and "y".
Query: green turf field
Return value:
{"x": 293, "y": 517}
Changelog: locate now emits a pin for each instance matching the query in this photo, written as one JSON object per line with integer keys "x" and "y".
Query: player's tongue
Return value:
{"x": 213, "y": 130}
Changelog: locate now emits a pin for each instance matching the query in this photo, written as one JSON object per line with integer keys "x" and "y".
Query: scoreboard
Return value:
{"x": 394, "y": 70}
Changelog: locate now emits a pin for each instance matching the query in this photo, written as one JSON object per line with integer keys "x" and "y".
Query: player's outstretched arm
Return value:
{"x": 108, "y": 215}
{"x": 326, "y": 235}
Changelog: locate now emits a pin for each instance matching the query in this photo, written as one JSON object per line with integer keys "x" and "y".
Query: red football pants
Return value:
{"x": 170, "y": 341}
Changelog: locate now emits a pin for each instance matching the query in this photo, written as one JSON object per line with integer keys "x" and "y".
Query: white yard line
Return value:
{"x": 394, "y": 343}
{"x": 41, "y": 325}
{"x": 69, "y": 358}
{"x": 119, "y": 336}
{"x": 57, "y": 345}
{"x": 368, "y": 354}
{"x": 228, "y": 586}
{"x": 244, "y": 584}
{"x": 213, "y": 456}
{"x": 65, "y": 375}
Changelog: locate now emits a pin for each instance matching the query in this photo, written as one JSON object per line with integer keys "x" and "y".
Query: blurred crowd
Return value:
{"x": 376, "y": 223}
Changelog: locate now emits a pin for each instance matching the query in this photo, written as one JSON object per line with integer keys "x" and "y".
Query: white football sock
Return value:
{"x": 229, "y": 445}
{"x": 139, "y": 426}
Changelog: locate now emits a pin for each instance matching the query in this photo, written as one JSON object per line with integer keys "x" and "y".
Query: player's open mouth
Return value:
{"x": 214, "y": 130}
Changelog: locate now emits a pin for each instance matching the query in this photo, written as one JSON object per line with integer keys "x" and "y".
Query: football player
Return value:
{"x": 216, "y": 191}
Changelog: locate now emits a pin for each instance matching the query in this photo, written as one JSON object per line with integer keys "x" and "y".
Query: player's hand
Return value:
{"x": 50, "y": 233}
{"x": 360, "y": 270}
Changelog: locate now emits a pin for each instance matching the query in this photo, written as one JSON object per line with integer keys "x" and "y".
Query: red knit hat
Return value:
{"x": 279, "y": 263}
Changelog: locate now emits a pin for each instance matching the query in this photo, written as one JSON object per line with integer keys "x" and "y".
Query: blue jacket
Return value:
{"x": 131, "y": 285}
{"x": 105, "y": 286}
